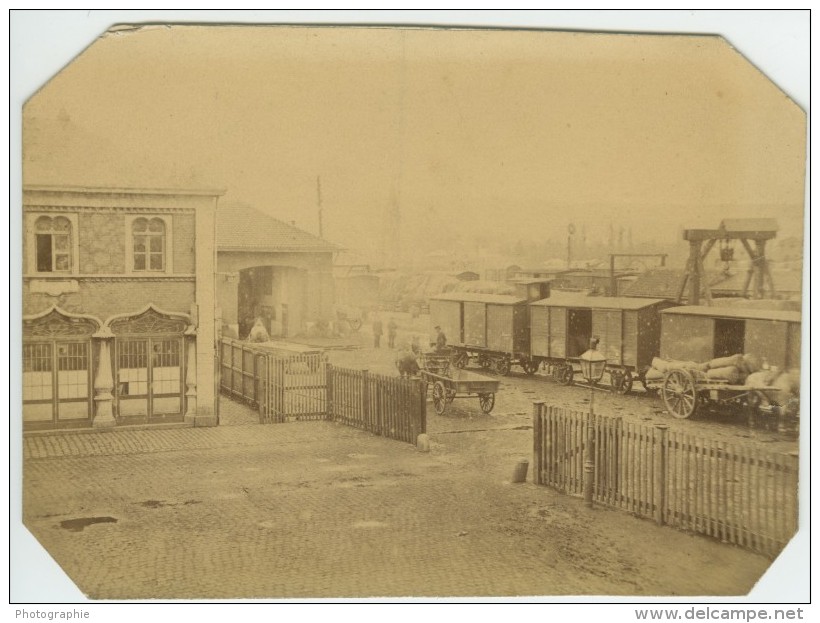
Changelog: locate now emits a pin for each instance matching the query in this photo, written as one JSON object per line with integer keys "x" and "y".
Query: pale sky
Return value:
{"x": 468, "y": 131}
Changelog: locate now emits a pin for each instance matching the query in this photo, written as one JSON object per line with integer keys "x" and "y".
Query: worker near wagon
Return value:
{"x": 441, "y": 340}
{"x": 392, "y": 327}
{"x": 377, "y": 332}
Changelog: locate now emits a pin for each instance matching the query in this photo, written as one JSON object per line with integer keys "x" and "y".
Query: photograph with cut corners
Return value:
{"x": 328, "y": 312}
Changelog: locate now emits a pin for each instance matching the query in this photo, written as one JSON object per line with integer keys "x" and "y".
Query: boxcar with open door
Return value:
{"x": 628, "y": 330}
{"x": 704, "y": 334}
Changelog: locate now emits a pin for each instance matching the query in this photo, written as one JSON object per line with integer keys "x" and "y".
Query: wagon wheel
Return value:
{"x": 439, "y": 397}
{"x": 502, "y": 366}
{"x": 355, "y": 324}
{"x": 621, "y": 381}
{"x": 530, "y": 367}
{"x": 461, "y": 360}
{"x": 565, "y": 374}
{"x": 487, "y": 402}
{"x": 679, "y": 394}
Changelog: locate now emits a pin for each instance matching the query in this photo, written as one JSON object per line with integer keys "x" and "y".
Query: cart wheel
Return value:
{"x": 487, "y": 402}
{"x": 530, "y": 367}
{"x": 565, "y": 374}
{"x": 621, "y": 381}
{"x": 439, "y": 397}
{"x": 461, "y": 360}
{"x": 679, "y": 394}
{"x": 502, "y": 366}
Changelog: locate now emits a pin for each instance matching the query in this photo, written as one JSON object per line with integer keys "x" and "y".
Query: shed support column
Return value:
{"x": 104, "y": 385}
{"x": 694, "y": 272}
{"x": 190, "y": 381}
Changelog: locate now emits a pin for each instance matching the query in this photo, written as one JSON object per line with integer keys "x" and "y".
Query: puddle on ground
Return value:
{"x": 369, "y": 524}
{"x": 77, "y": 525}
{"x": 160, "y": 503}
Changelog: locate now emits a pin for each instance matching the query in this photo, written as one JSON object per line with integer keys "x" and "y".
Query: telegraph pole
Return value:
{"x": 319, "y": 201}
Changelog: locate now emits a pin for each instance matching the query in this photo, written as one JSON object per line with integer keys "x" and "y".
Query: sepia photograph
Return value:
{"x": 501, "y": 306}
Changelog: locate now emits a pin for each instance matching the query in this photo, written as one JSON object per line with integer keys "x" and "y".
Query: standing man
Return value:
{"x": 377, "y": 332}
{"x": 441, "y": 340}
{"x": 391, "y": 333}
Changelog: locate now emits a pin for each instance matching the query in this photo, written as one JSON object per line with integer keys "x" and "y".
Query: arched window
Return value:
{"x": 148, "y": 244}
{"x": 53, "y": 244}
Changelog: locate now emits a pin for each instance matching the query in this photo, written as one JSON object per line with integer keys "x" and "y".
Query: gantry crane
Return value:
{"x": 701, "y": 241}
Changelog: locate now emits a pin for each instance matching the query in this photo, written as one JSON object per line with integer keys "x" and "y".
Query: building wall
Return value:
{"x": 103, "y": 281}
{"x": 105, "y": 298}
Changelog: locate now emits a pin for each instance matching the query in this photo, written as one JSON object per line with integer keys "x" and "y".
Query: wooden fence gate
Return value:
{"x": 307, "y": 387}
{"x": 736, "y": 493}
{"x": 294, "y": 387}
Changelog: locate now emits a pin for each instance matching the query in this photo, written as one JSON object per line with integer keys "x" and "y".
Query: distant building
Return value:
{"x": 271, "y": 270}
{"x": 118, "y": 306}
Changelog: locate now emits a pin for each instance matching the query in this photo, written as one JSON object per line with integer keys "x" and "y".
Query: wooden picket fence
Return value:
{"x": 241, "y": 371}
{"x": 736, "y": 493}
{"x": 307, "y": 387}
{"x": 389, "y": 406}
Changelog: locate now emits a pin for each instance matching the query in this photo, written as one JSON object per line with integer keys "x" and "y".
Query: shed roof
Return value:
{"x": 478, "y": 297}
{"x": 734, "y": 312}
{"x": 665, "y": 283}
{"x": 572, "y": 299}
{"x": 241, "y": 228}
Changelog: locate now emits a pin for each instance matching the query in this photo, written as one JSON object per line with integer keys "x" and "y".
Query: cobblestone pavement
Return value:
{"x": 315, "y": 509}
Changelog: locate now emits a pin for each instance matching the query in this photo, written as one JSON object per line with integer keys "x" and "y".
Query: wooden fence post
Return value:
{"x": 422, "y": 397}
{"x": 660, "y": 442}
{"x": 366, "y": 400}
{"x": 262, "y": 388}
{"x": 537, "y": 439}
{"x": 329, "y": 415}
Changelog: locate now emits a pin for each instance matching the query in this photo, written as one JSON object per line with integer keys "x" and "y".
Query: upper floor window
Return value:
{"x": 52, "y": 244}
{"x": 148, "y": 244}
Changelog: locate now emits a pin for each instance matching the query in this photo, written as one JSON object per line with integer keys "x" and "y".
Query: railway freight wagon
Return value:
{"x": 700, "y": 333}
{"x": 628, "y": 330}
{"x": 492, "y": 329}
{"x": 727, "y": 356}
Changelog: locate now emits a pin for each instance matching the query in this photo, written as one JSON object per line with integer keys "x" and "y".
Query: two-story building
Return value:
{"x": 118, "y": 306}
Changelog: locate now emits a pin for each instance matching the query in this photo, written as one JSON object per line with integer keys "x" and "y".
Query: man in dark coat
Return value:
{"x": 391, "y": 333}
{"x": 441, "y": 340}
{"x": 377, "y": 332}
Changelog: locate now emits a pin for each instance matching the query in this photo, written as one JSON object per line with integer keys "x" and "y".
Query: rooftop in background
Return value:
{"x": 477, "y": 297}
{"x": 596, "y": 302}
{"x": 241, "y": 228}
{"x": 714, "y": 311}
{"x": 738, "y": 225}
{"x": 664, "y": 283}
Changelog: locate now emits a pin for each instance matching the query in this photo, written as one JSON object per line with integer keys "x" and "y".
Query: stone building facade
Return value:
{"x": 118, "y": 306}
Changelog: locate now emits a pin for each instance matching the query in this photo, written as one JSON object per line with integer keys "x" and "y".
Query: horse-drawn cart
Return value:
{"x": 450, "y": 382}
